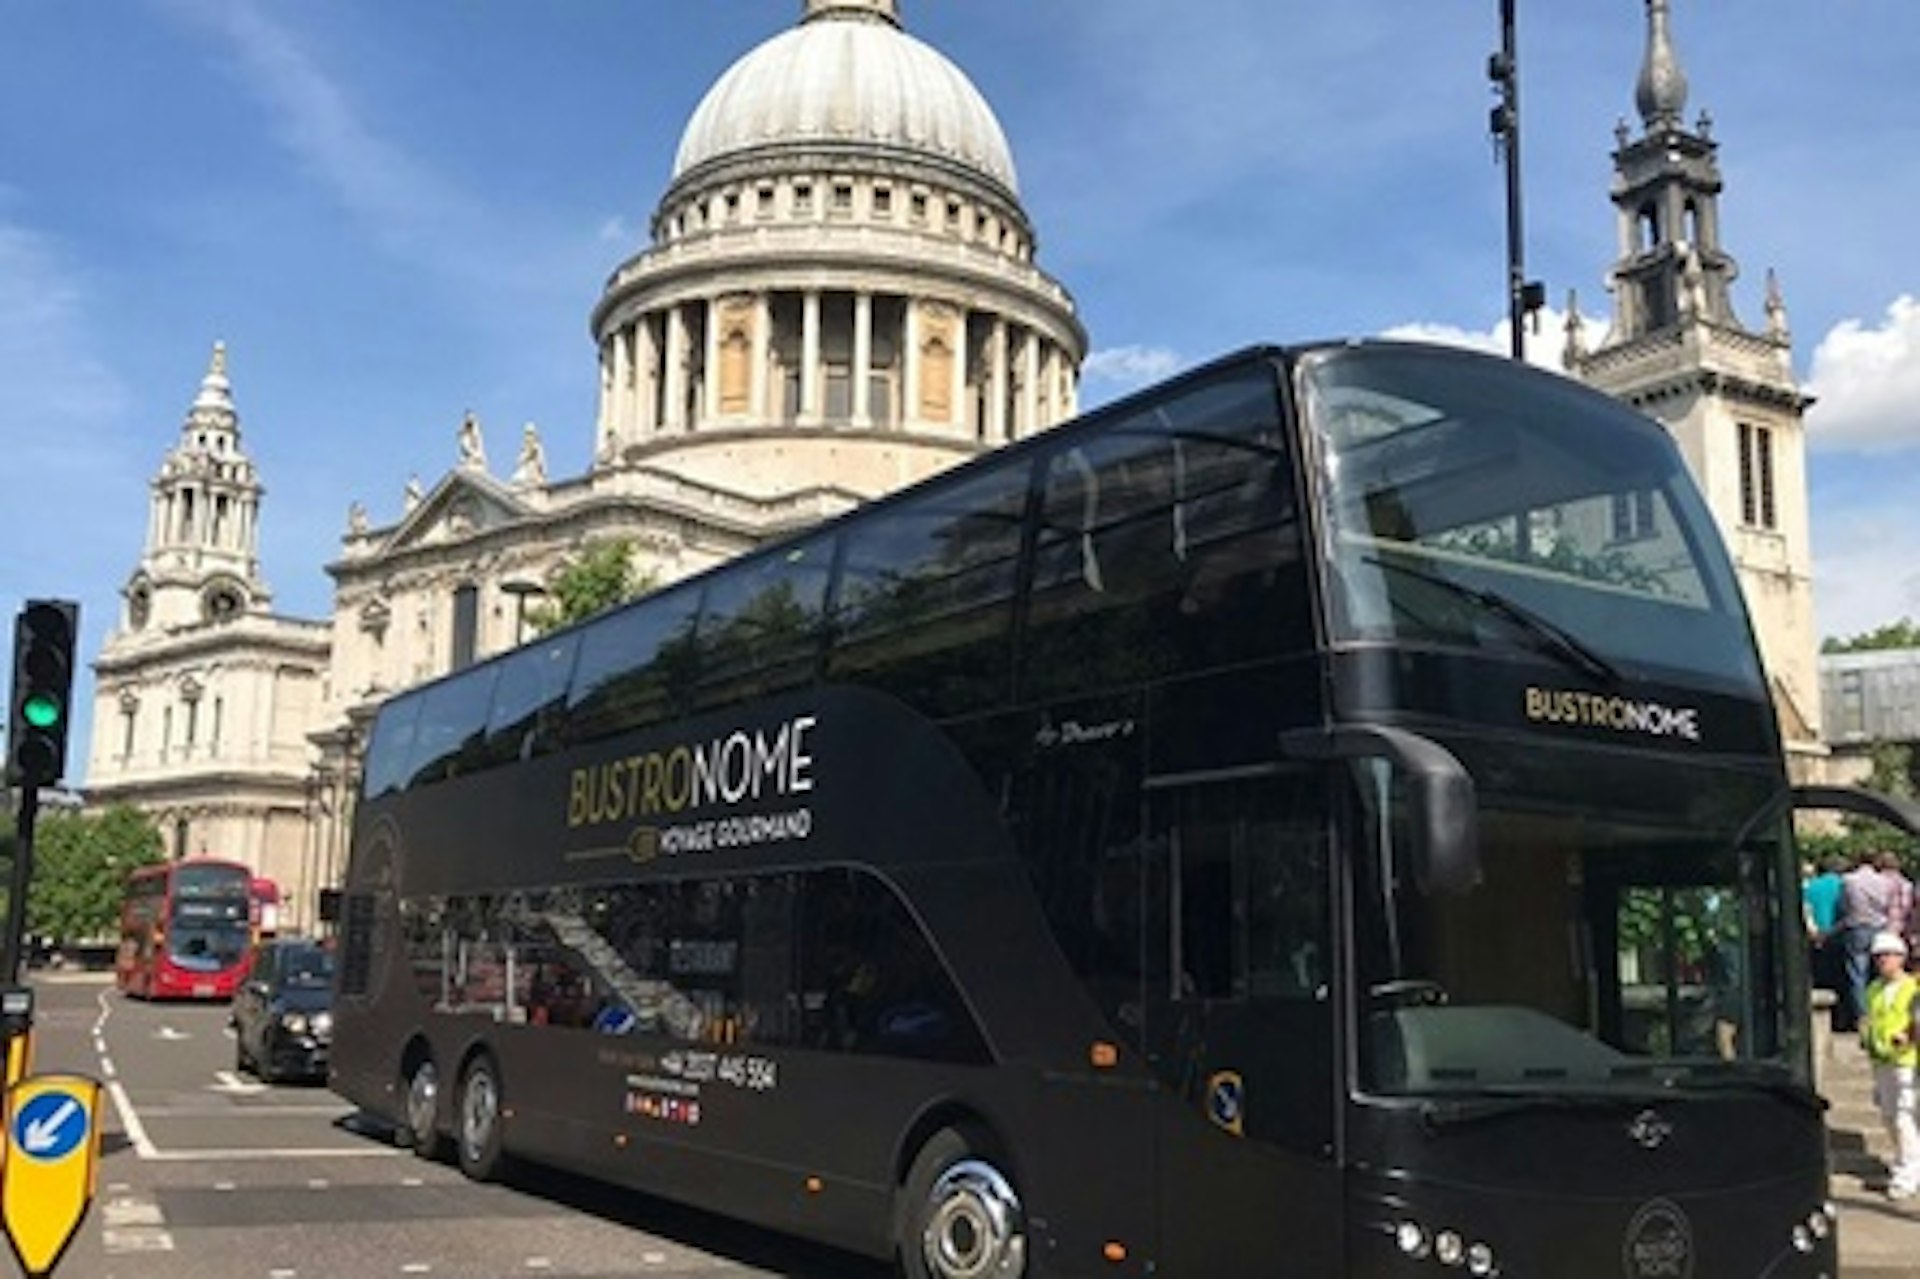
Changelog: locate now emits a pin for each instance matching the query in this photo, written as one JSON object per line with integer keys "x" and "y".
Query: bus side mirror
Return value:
{"x": 329, "y": 905}
{"x": 1445, "y": 819}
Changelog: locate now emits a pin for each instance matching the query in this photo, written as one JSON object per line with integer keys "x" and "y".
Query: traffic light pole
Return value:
{"x": 12, "y": 957}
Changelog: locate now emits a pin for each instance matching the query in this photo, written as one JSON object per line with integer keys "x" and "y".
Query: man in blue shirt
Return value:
{"x": 1820, "y": 896}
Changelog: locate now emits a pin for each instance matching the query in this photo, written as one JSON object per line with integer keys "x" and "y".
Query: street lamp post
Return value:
{"x": 1524, "y": 297}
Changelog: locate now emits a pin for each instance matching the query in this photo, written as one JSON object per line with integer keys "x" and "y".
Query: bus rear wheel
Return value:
{"x": 479, "y": 1121}
{"x": 421, "y": 1132}
{"x": 962, "y": 1219}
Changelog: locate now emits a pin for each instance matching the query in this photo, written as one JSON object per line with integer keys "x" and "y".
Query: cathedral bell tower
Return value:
{"x": 1678, "y": 353}
{"x": 202, "y": 558}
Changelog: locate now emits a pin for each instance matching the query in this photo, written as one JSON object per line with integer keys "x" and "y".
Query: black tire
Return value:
{"x": 419, "y": 1128}
{"x": 960, "y": 1216}
{"x": 477, "y": 1122}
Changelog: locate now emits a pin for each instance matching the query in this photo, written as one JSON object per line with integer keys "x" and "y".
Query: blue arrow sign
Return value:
{"x": 51, "y": 1126}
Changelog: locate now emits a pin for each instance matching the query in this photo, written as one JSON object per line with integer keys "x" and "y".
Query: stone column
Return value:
{"x": 997, "y": 378}
{"x": 862, "y": 358}
{"x": 676, "y": 371}
{"x": 710, "y": 380}
{"x": 617, "y": 413}
{"x": 810, "y": 358}
{"x": 960, "y": 351}
{"x": 643, "y": 362}
{"x": 759, "y": 409}
{"x": 1029, "y": 385}
{"x": 912, "y": 368}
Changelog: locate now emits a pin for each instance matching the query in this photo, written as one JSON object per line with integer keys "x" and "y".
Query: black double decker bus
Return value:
{"x": 1319, "y": 816}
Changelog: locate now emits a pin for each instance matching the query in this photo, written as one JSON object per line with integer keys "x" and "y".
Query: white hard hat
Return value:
{"x": 1888, "y": 944}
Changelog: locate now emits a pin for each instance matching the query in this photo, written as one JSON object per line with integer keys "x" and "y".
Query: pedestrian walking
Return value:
{"x": 1866, "y": 904}
{"x": 1888, "y": 1033}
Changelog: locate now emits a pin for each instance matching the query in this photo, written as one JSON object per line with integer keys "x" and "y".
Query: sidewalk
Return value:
{"x": 1878, "y": 1239}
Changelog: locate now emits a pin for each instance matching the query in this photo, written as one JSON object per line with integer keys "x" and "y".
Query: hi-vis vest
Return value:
{"x": 1889, "y": 1013}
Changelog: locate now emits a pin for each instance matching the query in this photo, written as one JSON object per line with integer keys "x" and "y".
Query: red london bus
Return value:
{"x": 186, "y": 930}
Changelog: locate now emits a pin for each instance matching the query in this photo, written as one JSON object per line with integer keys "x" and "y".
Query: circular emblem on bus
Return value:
{"x": 1649, "y": 1130}
{"x": 1659, "y": 1243}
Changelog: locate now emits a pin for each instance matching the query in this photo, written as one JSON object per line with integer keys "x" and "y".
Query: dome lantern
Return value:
{"x": 883, "y": 10}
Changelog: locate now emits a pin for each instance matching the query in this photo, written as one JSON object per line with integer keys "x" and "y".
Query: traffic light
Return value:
{"x": 43, "y": 637}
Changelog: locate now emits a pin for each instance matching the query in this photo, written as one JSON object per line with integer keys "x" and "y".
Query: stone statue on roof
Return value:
{"x": 473, "y": 449}
{"x": 531, "y": 470}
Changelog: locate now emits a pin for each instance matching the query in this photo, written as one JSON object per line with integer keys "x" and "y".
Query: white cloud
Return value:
{"x": 1867, "y": 381}
{"x": 1127, "y": 367}
{"x": 1545, "y": 341}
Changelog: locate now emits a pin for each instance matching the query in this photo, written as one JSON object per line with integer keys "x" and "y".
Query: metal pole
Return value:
{"x": 1516, "y": 246}
{"x": 14, "y": 953}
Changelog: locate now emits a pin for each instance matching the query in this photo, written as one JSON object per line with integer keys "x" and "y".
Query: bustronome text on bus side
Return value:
{"x": 746, "y": 765}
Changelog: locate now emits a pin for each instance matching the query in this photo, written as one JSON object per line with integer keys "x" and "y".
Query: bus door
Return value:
{"x": 1240, "y": 1023}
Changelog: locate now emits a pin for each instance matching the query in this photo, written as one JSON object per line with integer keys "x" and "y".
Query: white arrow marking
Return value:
{"x": 42, "y": 1134}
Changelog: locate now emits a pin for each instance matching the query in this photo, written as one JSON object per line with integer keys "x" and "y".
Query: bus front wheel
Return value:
{"x": 479, "y": 1120}
{"x": 963, "y": 1219}
{"x": 422, "y": 1130}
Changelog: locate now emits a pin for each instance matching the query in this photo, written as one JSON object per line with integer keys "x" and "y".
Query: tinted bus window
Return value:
{"x": 760, "y": 631}
{"x": 451, "y": 729}
{"x": 1169, "y": 542}
{"x": 925, "y": 597}
{"x": 391, "y": 749}
{"x": 636, "y": 666}
{"x": 530, "y": 691}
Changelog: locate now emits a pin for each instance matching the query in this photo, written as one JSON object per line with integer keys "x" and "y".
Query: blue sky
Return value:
{"x": 393, "y": 213}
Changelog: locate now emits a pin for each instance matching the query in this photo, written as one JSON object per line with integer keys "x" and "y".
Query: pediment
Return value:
{"x": 463, "y": 504}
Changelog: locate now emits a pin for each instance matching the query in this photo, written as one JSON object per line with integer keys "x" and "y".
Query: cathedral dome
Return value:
{"x": 848, "y": 76}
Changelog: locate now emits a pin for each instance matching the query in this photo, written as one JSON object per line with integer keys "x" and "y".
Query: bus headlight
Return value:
{"x": 1802, "y": 1239}
{"x": 294, "y": 1023}
{"x": 1412, "y": 1238}
{"x": 1449, "y": 1249}
{"x": 1819, "y": 1225}
{"x": 322, "y": 1023}
{"x": 1480, "y": 1260}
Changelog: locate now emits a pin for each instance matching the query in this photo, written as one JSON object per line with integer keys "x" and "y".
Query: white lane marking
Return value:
{"x": 171, "y": 1035}
{"x": 227, "y": 1110}
{"x": 118, "y": 1187}
{"x": 224, "y": 1156}
{"x": 130, "y": 1121}
{"x": 225, "y": 1185}
{"x": 230, "y": 1082}
{"x": 316, "y": 1183}
{"x": 654, "y": 1258}
{"x": 281, "y": 1273}
{"x": 539, "y": 1263}
{"x": 106, "y": 1066}
{"x": 131, "y": 1212}
{"x": 412, "y": 1181}
{"x": 106, "y": 1011}
{"x": 416, "y": 1268}
{"x": 137, "y": 1239}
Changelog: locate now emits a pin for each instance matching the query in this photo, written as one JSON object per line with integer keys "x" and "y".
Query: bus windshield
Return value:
{"x": 1469, "y": 508}
{"x": 1597, "y": 953}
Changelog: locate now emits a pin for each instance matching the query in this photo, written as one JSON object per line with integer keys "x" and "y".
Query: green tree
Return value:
{"x": 1904, "y": 633}
{"x": 602, "y": 577}
{"x": 80, "y": 865}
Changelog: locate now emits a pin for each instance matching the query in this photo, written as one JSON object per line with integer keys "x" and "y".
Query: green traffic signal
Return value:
{"x": 41, "y": 710}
